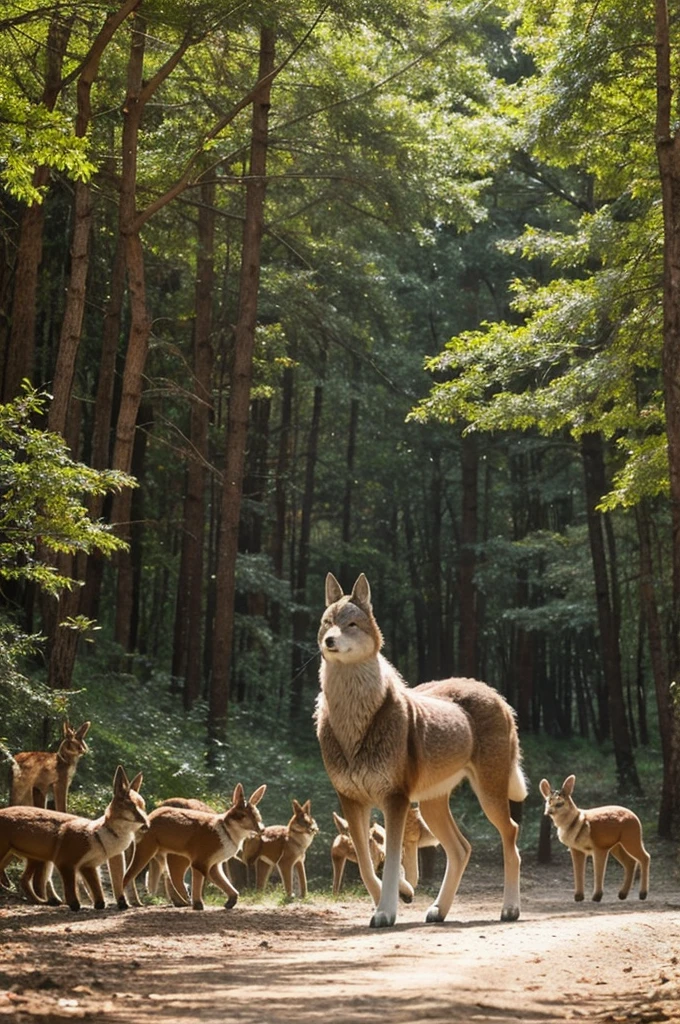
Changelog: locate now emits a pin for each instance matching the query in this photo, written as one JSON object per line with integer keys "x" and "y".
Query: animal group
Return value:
{"x": 384, "y": 745}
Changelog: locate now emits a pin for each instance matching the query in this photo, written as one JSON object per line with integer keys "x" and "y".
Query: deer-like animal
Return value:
{"x": 172, "y": 867}
{"x": 597, "y": 832}
{"x": 36, "y": 772}
{"x": 76, "y": 846}
{"x": 202, "y": 840}
{"x": 283, "y": 847}
{"x": 386, "y": 745}
{"x": 342, "y": 849}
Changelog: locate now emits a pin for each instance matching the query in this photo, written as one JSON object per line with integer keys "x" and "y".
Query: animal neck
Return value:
{"x": 352, "y": 694}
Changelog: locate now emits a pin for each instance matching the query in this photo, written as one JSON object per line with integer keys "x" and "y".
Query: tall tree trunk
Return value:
{"x": 20, "y": 356}
{"x": 467, "y": 591}
{"x": 239, "y": 399}
{"x": 595, "y": 487}
{"x": 300, "y": 653}
{"x": 349, "y": 468}
{"x": 668, "y": 155}
{"x": 186, "y": 656}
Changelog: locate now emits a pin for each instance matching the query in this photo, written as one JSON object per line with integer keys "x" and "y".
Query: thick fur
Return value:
{"x": 75, "y": 846}
{"x": 283, "y": 847}
{"x": 35, "y": 772}
{"x": 596, "y": 833}
{"x": 199, "y": 839}
{"x": 386, "y": 745}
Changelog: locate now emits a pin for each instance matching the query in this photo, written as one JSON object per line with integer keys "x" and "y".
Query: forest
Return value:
{"x": 294, "y": 288}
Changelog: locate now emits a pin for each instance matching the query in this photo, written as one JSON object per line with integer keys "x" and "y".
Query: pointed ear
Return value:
{"x": 82, "y": 732}
{"x": 340, "y": 823}
{"x": 137, "y": 782}
{"x": 544, "y": 787}
{"x": 120, "y": 780}
{"x": 258, "y": 794}
{"x": 333, "y": 589}
{"x": 296, "y": 806}
{"x": 568, "y": 785}
{"x": 307, "y": 807}
{"x": 361, "y": 592}
{"x": 66, "y": 727}
{"x": 238, "y": 796}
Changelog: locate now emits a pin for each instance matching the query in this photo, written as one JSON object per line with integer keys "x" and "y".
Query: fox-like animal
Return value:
{"x": 597, "y": 832}
{"x": 171, "y": 866}
{"x": 283, "y": 847}
{"x": 36, "y": 772}
{"x": 342, "y": 849}
{"x": 203, "y": 840}
{"x": 386, "y": 745}
{"x": 76, "y": 846}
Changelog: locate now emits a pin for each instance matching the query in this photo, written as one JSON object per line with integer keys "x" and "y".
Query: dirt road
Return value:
{"x": 317, "y": 961}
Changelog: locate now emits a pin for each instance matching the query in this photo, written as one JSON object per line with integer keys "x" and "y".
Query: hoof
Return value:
{"x": 510, "y": 913}
{"x": 578, "y": 896}
{"x": 231, "y": 902}
{"x": 434, "y": 915}
{"x": 100, "y": 905}
{"x": 597, "y": 896}
{"x": 53, "y": 901}
{"x": 406, "y": 897}
{"x": 123, "y": 903}
{"x": 75, "y": 907}
{"x": 198, "y": 905}
{"x": 643, "y": 895}
{"x": 382, "y": 920}
{"x": 623, "y": 895}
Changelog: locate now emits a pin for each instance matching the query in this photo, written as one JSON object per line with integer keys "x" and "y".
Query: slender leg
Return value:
{"x": 358, "y": 817}
{"x": 68, "y": 878}
{"x": 439, "y": 820}
{"x": 578, "y": 863}
{"x": 117, "y": 874}
{"x": 338, "y": 871}
{"x": 629, "y": 864}
{"x": 600, "y": 858}
{"x": 218, "y": 877}
{"x": 197, "y": 882}
{"x": 410, "y": 862}
{"x": 301, "y": 876}
{"x": 396, "y": 809}
{"x": 492, "y": 793}
{"x": 93, "y": 882}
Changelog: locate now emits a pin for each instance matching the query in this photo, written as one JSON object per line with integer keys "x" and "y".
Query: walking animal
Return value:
{"x": 36, "y": 772}
{"x": 386, "y": 745}
{"x": 76, "y": 846}
{"x": 597, "y": 832}
{"x": 172, "y": 867}
{"x": 202, "y": 840}
{"x": 283, "y": 847}
{"x": 342, "y": 849}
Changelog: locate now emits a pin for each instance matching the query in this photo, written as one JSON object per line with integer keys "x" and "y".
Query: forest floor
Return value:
{"x": 268, "y": 962}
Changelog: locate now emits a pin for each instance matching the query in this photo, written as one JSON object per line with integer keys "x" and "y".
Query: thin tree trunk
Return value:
{"x": 668, "y": 155}
{"x": 186, "y": 661}
{"x": 467, "y": 591}
{"x": 239, "y": 400}
{"x": 595, "y": 488}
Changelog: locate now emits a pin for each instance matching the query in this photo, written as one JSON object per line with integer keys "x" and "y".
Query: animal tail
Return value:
{"x": 517, "y": 785}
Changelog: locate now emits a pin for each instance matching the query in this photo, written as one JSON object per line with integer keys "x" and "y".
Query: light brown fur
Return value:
{"x": 202, "y": 839}
{"x": 283, "y": 847}
{"x": 416, "y": 836}
{"x": 75, "y": 846}
{"x": 36, "y": 772}
{"x": 597, "y": 832}
{"x": 385, "y": 745}
{"x": 172, "y": 867}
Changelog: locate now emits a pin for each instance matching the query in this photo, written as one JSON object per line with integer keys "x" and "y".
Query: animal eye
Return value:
{"x": 351, "y": 625}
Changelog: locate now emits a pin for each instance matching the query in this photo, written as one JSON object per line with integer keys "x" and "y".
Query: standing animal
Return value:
{"x": 597, "y": 832}
{"x": 342, "y": 849}
{"x": 386, "y": 745}
{"x": 76, "y": 846}
{"x": 36, "y": 772}
{"x": 172, "y": 867}
{"x": 202, "y": 840}
{"x": 283, "y": 847}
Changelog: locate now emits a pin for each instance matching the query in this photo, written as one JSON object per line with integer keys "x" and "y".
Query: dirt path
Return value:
{"x": 265, "y": 963}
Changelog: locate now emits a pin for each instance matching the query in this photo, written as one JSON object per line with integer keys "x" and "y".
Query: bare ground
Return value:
{"x": 317, "y": 960}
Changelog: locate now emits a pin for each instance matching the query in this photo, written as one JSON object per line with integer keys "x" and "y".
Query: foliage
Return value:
{"x": 42, "y": 489}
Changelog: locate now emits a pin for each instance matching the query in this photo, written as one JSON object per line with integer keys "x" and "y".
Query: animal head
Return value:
{"x": 73, "y": 744}
{"x": 243, "y": 814}
{"x": 302, "y": 820}
{"x": 127, "y": 804}
{"x": 348, "y": 631}
{"x": 557, "y": 800}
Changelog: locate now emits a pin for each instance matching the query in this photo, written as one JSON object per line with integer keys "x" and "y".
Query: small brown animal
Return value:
{"x": 202, "y": 840}
{"x": 283, "y": 847}
{"x": 597, "y": 832}
{"x": 172, "y": 867}
{"x": 35, "y": 772}
{"x": 342, "y": 849}
{"x": 387, "y": 745}
{"x": 75, "y": 846}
